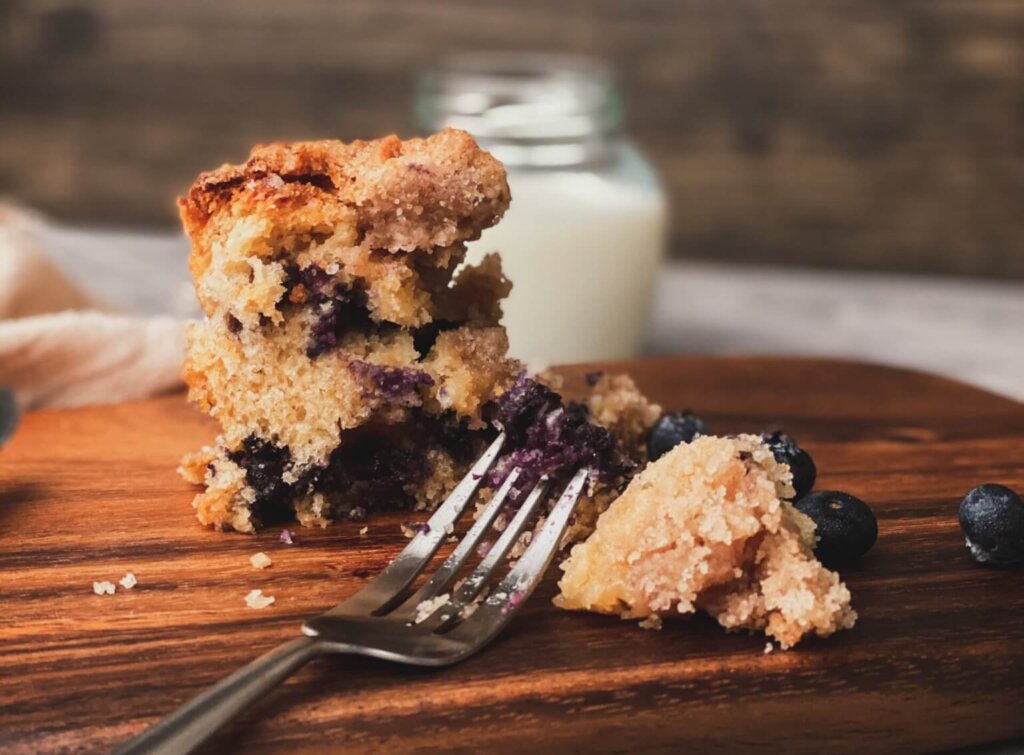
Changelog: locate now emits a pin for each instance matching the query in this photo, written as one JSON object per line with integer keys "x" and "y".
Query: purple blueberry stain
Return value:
{"x": 373, "y": 470}
{"x": 368, "y": 472}
{"x": 514, "y": 599}
{"x": 399, "y": 386}
{"x": 548, "y": 437}
{"x": 339, "y": 307}
{"x": 337, "y": 315}
{"x": 265, "y": 463}
{"x": 313, "y": 278}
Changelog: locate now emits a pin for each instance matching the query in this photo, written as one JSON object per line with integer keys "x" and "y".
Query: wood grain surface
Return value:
{"x": 936, "y": 660}
{"x": 871, "y": 134}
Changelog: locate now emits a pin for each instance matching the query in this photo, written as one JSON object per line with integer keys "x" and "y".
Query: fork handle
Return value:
{"x": 196, "y": 721}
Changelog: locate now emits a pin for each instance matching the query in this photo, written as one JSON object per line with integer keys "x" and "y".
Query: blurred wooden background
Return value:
{"x": 855, "y": 134}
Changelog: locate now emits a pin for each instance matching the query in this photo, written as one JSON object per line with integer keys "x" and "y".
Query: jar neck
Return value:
{"x": 530, "y": 111}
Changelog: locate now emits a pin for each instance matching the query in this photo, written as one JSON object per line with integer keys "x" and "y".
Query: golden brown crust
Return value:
{"x": 415, "y": 194}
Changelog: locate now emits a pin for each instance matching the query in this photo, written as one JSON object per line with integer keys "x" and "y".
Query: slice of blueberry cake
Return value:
{"x": 351, "y": 364}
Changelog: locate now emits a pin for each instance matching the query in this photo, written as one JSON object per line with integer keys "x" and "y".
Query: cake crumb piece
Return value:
{"x": 412, "y": 529}
{"x": 103, "y": 588}
{"x": 617, "y": 404}
{"x": 256, "y": 599}
{"x": 651, "y": 622}
{"x": 260, "y": 560}
{"x": 427, "y": 607}
{"x": 128, "y": 581}
{"x": 364, "y": 530}
{"x": 709, "y": 527}
{"x": 768, "y": 648}
{"x": 287, "y": 537}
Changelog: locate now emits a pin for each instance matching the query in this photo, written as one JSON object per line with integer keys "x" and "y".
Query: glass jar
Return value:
{"x": 584, "y": 237}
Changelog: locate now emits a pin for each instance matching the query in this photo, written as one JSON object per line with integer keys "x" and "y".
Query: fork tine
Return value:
{"x": 475, "y": 582}
{"x": 387, "y": 591}
{"x": 446, "y": 573}
{"x": 503, "y": 602}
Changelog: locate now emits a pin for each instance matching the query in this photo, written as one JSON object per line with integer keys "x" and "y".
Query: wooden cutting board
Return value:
{"x": 936, "y": 660}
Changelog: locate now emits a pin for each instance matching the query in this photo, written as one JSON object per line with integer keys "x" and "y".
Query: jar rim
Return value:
{"x": 523, "y": 102}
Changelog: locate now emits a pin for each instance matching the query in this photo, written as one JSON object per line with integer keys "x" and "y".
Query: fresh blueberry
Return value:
{"x": 398, "y": 385}
{"x": 786, "y": 451}
{"x": 992, "y": 518}
{"x": 846, "y": 526}
{"x": 672, "y": 429}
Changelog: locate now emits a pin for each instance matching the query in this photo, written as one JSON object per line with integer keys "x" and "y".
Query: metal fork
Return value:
{"x": 382, "y": 620}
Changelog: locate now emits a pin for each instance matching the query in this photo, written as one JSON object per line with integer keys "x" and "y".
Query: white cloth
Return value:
{"x": 62, "y": 346}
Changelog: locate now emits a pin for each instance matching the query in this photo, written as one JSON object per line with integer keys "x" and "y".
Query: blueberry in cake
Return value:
{"x": 351, "y": 363}
{"x": 547, "y": 436}
{"x": 709, "y": 527}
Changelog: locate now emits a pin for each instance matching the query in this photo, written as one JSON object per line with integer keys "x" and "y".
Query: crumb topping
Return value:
{"x": 707, "y": 527}
{"x": 417, "y": 194}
